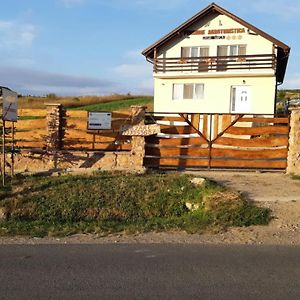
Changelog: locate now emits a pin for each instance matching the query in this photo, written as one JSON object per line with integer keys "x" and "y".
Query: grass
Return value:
{"x": 110, "y": 203}
{"x": 69, "y": 102}
{"x": 296, "y": 177}
{"x": 116, "y": 105}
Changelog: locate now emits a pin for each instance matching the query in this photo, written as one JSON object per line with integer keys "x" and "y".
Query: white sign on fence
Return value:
{"x": 99, "y": 120}
{"x": 10, "y": 105}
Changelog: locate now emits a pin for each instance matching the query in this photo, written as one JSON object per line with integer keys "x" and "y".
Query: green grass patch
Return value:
{"x": 115, "y": 105}
{"x": 110, "y": 203}
{"x": 296, "y": 177}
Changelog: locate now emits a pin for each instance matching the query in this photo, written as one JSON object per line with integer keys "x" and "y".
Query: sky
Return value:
{"x": 93, "y": 47}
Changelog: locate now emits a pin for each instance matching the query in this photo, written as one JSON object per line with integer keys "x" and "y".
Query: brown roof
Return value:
{"x": 283, "y": 49}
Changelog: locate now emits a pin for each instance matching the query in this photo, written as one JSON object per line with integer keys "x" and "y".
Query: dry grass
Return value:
{"x": 68, "y": 102}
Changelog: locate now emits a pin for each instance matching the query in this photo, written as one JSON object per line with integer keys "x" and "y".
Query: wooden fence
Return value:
{"x": 218, "y": 141}
{"x": 77, "y": 137}
{"x": 31, "y": 132}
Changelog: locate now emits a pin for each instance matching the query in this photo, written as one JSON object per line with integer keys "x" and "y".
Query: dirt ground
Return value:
{"x": 274, "y": 190}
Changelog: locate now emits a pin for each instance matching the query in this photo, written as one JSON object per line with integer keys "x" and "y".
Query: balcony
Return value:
{"x": 215, "y": 63}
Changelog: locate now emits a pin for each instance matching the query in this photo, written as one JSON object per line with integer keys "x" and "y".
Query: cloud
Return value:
{"x": 15, "y": 34}
{"x": 71, "y": 3}
{"x": 133, "y": 70}
{"x": 28, "y": 81}
{"x": 292, "y": 81}
{"x": 284, "y": 9}
{"x": 162, "y": 4}
{"x": 146, "y": 4}
{"x": 135, "y": 75}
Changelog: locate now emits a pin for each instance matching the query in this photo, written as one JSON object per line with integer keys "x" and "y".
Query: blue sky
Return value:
{"x": 76, "y": 47}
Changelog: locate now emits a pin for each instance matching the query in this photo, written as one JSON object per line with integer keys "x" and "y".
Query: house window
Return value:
{"x": 188, "y": 91}
{"x": 232, "y": 50}
{"x": 194, "y": 52}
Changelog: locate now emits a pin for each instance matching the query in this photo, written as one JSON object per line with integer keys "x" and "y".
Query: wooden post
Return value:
{"x": 210, "y": 142}
{"x": 155, "y": 60}
{"x": 13, "y": 151}
{"x": 3, "y": 153}
{"x": 55, "y": 128}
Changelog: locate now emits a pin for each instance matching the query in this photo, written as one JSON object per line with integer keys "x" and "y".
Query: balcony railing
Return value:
{"x": 215, "y": 63}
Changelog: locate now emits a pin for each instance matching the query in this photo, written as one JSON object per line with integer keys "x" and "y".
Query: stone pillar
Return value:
{"x": 138, "y": 151}
{"x": 55, "y": 127}
{"x": 138, "y": 114}
{"x": 294, "y": 142}
{"x": 138, "y": 142}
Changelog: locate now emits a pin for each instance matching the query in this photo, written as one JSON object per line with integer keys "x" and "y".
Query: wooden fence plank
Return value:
{"x": 167, "y": 118}
{"x": 177, "y": 129}
{"x": 82, "y": 124}
{"x": 176, "y": 141}
{"x": 273, "y": 141}
{"x": 196, "y": 120}
{"x": 31, "y": 124}
{"x": 84, "y": 114}
{"x": 205, "y": 126}
{"x": 265, "y": 120}
{"x": 215, "y": 126}
{"x": 249, "y": 164}
{"x": 27, "y": 144}
{"x": 26, "y": 112}
{"x": 258, "y": 130}
{"x": 176, "y": 162}
{"x": 226, "y": 121}
{"x": 190, "y": 162}
{"x": 31, "y": 135}
{"x": 201, "y": 152}
{"x": 246, "y": 154}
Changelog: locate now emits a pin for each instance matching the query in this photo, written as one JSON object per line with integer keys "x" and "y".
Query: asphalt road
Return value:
{"x": 149, "y": 272}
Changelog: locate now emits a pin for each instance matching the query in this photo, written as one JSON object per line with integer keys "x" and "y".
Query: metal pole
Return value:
{"x": 13, "y": 151}
{"x": 3, "y": 153}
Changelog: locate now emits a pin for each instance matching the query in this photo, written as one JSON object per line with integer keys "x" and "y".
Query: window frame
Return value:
{"x": 182, "y": 89}
{"x": 191, "y": 50}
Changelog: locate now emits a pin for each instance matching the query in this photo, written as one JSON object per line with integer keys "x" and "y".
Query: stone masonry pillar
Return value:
{"x": 55, "y": 127}
{"x": 294, "y": 142}
{"x": 138, "y": 114}
{"x": 138, "y": 142}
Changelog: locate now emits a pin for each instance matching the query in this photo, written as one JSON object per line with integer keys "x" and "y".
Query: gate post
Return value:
{"x": 294, "y": 142}
{"x": 138, "y": 142}
{"x": 55, "y": 129}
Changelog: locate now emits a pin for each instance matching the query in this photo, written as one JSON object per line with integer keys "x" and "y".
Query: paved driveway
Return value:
{"x": 257, "y": 186}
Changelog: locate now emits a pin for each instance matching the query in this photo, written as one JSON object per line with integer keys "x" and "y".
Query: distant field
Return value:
{"x": 85, "y": 102}
{"x": 117, "y": 105}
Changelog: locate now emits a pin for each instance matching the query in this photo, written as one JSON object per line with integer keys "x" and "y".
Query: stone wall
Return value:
{"x": 78, "y": 160}
{"x": 294, "y": 142}
{"x": 55, "y": 158}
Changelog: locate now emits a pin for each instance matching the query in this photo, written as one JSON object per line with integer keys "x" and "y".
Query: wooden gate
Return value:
{"x": 218, "y": 141}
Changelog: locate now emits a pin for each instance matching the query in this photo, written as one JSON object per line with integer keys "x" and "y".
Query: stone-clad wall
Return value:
{"x": 294, "y": 142}
{"x": 56, "y": 158}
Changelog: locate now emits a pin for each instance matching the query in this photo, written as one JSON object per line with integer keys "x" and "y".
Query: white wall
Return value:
{"x": 217, "y": 96}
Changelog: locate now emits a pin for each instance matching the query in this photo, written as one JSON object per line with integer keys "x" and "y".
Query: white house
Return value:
{"x": 216, "y": 62}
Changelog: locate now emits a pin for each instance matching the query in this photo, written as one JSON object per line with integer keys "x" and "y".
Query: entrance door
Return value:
{"x": 241, "y": 99}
